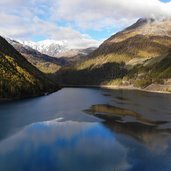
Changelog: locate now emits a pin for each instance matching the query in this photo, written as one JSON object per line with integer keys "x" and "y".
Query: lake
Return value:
{"x": 87, "y": 129}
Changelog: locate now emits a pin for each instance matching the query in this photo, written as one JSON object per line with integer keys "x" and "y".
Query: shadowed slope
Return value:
{"x": 18, "y": 78}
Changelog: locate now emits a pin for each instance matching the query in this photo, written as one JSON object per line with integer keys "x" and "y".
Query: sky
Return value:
{"x": 82, "y": 23}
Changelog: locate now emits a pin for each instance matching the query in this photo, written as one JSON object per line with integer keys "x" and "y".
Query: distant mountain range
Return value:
{"x": 18, "y": 78}
{"x": 49, "y": 56}
{"x": 48, "y": 47}
{"x": 138, "y": 56}
{"x": 58, "y": 49}
{"x": 43, "y": 62}
{"x": 76, "y": 55}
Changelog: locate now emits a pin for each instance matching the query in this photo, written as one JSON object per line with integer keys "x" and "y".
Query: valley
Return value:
{"x": 85, "y": 85}
{"x": 133, "y": 58}
{"x": 18, "y": 78}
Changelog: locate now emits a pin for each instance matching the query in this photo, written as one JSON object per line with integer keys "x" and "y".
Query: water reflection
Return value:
{"x": 133, "y": 132}
{"x": 67, "y": 103}
{"x": 63, "y": 146}
{"x": 69, "y": 145}
{"x": 150, "y": 136}
{"x": 109, "y": 112}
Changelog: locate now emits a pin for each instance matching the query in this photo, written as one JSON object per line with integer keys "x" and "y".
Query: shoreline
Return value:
{"x": 117, "y": 88}
{"x": 135, "y": 88}
{"x": 28, "y": 97}
{"x": 113, "y": 87}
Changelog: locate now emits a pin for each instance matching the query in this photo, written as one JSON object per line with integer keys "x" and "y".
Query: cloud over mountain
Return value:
{"x": 73, "y": 20}
{"x": 101, "y": 13}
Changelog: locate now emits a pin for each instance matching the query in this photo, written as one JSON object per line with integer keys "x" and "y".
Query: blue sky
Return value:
{"x": 81, "y": 23}
{"x": 165, "y": 0}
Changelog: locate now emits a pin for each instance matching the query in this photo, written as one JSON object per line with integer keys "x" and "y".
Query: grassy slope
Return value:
{"x": 111, "y": 68}
{"x": 18, "y": 78}
{"x": 108, "y": 64}
{"x": 43, "y": 62}
{"x": 43, "y": 65}
{"x": 139, "y": 46}
{"x": 152, "y": 71}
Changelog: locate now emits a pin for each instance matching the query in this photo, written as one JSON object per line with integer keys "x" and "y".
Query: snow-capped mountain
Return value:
{"x": 52, "y": 51}
{"x": 76, "y": 55}
{"x": 48, "y": 47}
{"x": 43, "y": 62}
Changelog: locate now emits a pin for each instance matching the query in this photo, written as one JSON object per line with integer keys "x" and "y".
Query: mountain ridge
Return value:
{"x": 50, "y": 64}
{"x": 18, "y": 78}
{"x": 47, "y": 47}
{"x": 43, "y": 62}
{"x": 122, "y": 59}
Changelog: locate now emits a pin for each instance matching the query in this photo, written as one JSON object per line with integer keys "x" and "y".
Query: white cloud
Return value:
{"x": 102, "y": 13}
{"x": 25, "y": 19}
{"x": 10, "y": 2}
{"x": 24, "y": 22}
{"x": 74, "y": 38}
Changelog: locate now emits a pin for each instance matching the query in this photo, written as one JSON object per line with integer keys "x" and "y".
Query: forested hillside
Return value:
{"x": 18, "y": 78}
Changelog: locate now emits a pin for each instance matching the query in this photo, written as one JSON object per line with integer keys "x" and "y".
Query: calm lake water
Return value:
{"x": 84, "y": 129}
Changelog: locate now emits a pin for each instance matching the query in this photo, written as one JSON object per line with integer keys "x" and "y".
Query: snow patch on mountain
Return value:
{"x": 48, "y": 47}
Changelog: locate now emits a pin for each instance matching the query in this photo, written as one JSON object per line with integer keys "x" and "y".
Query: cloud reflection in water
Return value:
{"x": 63, "y": 146}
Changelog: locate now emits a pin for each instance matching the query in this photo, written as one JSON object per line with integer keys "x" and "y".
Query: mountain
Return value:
{"x": 132, "y": 57}
{"x": 18, "y": 78}
{"x": 58, "y": 49}
{"x": 76, "y": 55}
{"x": 49, "y": 55}
{"x": 44, "y": 63}
{"x": 146, "y": 38}
{"x": 48, "y": 47}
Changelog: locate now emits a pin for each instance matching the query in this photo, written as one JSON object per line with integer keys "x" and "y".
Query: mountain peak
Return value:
{"x": 140, "y": 22}
{"x": 18, "y": 76}
{"x": 144, "y": 26}
{"x": 48, "y": 47}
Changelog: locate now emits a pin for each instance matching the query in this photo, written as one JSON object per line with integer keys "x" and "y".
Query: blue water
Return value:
{"x": 56, "y": 133}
